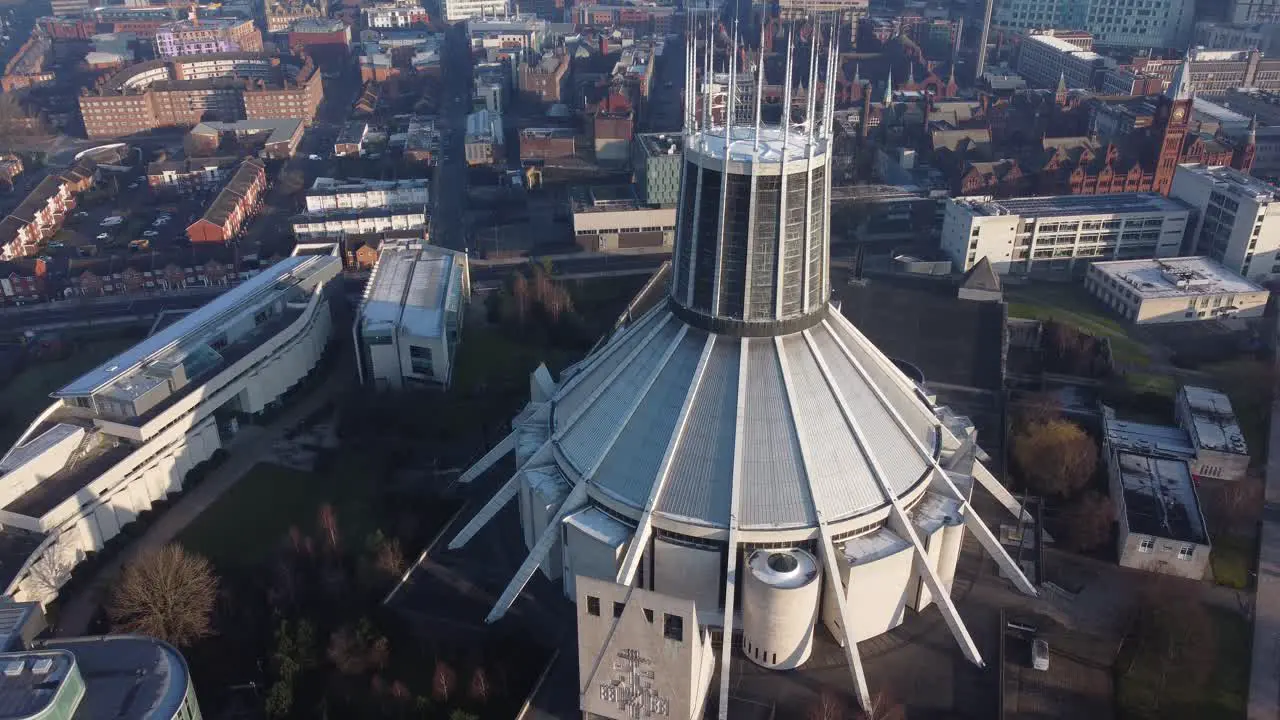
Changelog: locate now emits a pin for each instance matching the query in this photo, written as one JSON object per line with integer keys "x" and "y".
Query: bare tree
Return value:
{"x": 442, "y": 681}
{"x": 829, "y": 706}
{"x": 479, "y": 690}
{"x": 1234, "y": 507}
{"x": 1056, "y": 457}
{"x": 883, "y": 707}
{"x": 1087, "y": 521}
{"x": 49, "y": 572}
{"x": 168, "y": 594}
{"x": 327, "y": 519}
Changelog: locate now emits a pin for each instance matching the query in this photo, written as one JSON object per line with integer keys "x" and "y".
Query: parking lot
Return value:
{"x": 108, "y": 221}
{"x": 1076, "y": 683}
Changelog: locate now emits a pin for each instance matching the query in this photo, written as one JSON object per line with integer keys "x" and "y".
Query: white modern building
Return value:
{"x": 1210, "y": 421}
{"x": 1045, "y": 60}
{"x": 484, "y": 138}
{"x": 461, "y": 10}
{"x": 1237, "y": 218}
{"x": 1118, "y": 23}
{"x": 410, "y": 321}
{"x": 125, "y": 434}
{"x": 334, "y": 224}
{"x": 332, "y": 194}
{"x": 1184, "y": 289}
{"x": 395, "y": 15}
{"x": 1050, "y": 234}
{"x": 525, "y": 32}
{"x": 611, "y": 218}
{"x": 740, "y": 413}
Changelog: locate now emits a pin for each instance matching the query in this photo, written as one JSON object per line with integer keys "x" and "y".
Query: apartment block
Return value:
{"x": 198, "y": 36}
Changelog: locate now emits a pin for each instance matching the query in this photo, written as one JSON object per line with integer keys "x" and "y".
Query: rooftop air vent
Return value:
{"x": 42, "y": 666}
{"x": 13, "y": 668}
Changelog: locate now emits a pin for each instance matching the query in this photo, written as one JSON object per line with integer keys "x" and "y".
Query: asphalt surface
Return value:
{"x": 81, "y": 312}
{"x": 448, "y": 218}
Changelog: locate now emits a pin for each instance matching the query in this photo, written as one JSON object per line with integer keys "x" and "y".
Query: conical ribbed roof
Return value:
{"x": 694, "y": 412}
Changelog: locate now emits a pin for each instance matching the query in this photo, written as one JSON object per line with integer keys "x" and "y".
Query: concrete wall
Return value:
{"x": 881, "y": 590}
{"x": 1163, "y": 557}
{"x": 688, "y": 572}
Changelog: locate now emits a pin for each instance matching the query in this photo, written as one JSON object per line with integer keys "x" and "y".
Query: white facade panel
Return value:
{"x": 687, "y": 572}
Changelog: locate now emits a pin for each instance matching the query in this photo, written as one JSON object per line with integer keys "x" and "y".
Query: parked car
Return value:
{"x": 150, "y": 234}
{"x": 1040, "y": 655}
{"x": 104, "y": 236}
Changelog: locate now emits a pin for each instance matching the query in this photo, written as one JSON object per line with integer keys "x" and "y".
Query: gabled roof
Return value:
{"x": 981, "y": 277}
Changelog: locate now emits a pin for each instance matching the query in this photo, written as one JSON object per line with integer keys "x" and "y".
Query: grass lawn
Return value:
{"x": 1232, "y": 559}
{"x": 250, "y": 520}
{"x": 1069, "y": 304}
{"x": 486, "y": 357}
{"x": 1223, "y": 696}
{"x": 27, "y": 394}
{"x": 1140, "y": 382}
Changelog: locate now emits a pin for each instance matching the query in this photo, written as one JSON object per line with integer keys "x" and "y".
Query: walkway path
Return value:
{"x": 1264, "y": 681}
{"x": 253, "y": 445}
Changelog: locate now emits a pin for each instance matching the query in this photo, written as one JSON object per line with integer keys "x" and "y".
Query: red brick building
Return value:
{"x": 237, "y": 202}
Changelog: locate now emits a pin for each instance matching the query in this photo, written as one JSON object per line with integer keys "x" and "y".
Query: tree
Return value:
{"x": 1056, "y": 457}
{"x": 1038, "y": 407}
{"x": 1087, "y": 521}
{"x": 883, "y": 707}
{"x": 442, "y": 681}
{"x": 828, "y": 706}
{"x": 168, "y": 594}
{"x": 1233, "y": 506}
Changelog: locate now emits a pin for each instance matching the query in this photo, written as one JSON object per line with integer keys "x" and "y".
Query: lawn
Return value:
{"x": 1150, "y": 383}
{"x": 245, "y": 526}
{"x": 27, "y": 394}
{"x": 488, "y": 358}
{"x": 1069, "y": 304}
{"x": 1232, "y": 560}
{"x": 1223, "y": 696}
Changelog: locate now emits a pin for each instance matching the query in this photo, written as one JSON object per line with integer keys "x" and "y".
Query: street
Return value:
{"x": 448, "y": 219}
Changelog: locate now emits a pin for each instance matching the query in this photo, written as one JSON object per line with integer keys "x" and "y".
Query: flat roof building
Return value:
{"x": 1048, "y": 235}
{"x": 1183, "y": 289}
{"x": 409, "y": 323}
{"x": 1045, "y": 60}
{"x": 484, "y": 138}
{"x": 611, "y": 217}
{"x": 1158, "y": 511}
{"x": 1210, "y": 421}
{"x": 124, "y": 435}
{"x": 1237, "y": 220}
